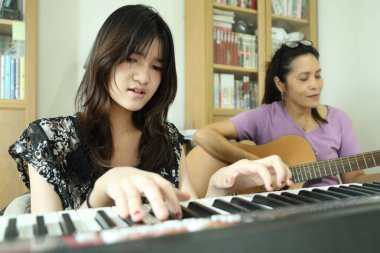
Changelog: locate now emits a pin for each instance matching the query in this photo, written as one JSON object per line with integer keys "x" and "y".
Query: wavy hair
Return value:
{"x": 280, "y": 66}
{"x": 127, "y": 30}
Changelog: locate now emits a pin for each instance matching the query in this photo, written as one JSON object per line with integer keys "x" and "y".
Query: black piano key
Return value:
{"x": 285, "y": 199}
{"x": 247, "y": 204}
{"x": 11, "y": 231}
{"x": 376, "y": 183}
{"x": 330, "y": 193}
{"x": 316, "y": 195}
{"x": 361, "y": 188}
{"x": 300, "y": 197}
{"x": 365, "y": 187}
{"x": 372, "y": 185}
{"x": 366, "y": 193}
{"x": 229, "y": 207}
{"x": 201, "y": 210}
{"x": 104, "y": 220}
{"x": 188, "y": 213}
{"x": 68, "y": 225}
{"x": 129, "y": 221}
{"x": 40, "y": 228}
{"x": 274, "y": 203}
{"x": 347, "y": 191}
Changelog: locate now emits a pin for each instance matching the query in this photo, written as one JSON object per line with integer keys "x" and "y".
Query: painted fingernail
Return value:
{"x": 178, "y": 215}
{"x": 282, "y": 182}
{"x": 136, "y": 213}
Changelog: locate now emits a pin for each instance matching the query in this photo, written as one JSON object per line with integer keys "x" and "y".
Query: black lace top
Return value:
{"x": 54, "y": 148}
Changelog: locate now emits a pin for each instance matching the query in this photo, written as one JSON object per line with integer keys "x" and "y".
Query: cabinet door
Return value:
{"x": 290, "y": 20}
{"x": 18, "y": 69}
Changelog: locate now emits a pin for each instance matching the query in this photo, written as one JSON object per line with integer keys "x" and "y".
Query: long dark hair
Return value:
{"x": 280, "y": 66}
{"x": 129, "y": 29}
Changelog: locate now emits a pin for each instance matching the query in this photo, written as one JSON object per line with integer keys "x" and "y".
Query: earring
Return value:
{"x": 282, "y": 96}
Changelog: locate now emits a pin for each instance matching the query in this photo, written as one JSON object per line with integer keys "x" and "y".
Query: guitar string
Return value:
{"x": 373, "y": 158}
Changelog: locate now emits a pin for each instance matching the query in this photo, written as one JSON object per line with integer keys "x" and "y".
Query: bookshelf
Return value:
{"x": 204, "y": 91}
{"x": 16, "y": 114}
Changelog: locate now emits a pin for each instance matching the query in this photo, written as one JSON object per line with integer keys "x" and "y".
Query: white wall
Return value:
{"x": 67, "y": 30}
{"x": 348, "y": 44}
{"x": 348, "y": 38}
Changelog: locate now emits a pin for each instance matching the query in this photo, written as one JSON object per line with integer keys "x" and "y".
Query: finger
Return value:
{"x": 134, "y": 201}
{"x": 118, "y": 195}
{"x": 181, "y": 195}
{"x": 155, "y": 197}
{"x": 225, "y": 178}
{"x": 170, "y": 196}
{"x": 264, "y": 174}
{"x": 281, "y": 171}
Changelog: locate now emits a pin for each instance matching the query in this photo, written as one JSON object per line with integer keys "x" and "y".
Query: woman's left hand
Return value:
{"x": 270, "y": 171}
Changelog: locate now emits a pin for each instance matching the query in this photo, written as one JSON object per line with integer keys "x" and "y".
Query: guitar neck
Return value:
{"x": 308, "y": 171}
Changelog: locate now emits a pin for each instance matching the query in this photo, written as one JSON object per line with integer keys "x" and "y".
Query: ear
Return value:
{"x": 280, "y": 85}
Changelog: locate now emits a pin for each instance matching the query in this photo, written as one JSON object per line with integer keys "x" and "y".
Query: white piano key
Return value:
{"x": 25, "y": 223}
{"x": 88, "y": 216}
{"x": 52, "y": 222}
{"x": 3, "y": 225}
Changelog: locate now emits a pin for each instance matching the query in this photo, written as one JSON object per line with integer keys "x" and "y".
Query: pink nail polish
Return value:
{"x": 136, "y": 213}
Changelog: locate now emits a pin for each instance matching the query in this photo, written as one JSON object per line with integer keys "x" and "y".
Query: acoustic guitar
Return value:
{"x": 294, "y": 150}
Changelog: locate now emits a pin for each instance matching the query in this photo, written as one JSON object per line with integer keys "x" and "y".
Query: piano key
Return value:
{"x": 40, "y": 228}
{"x": 11, "y": 231}
{"x": 248, "y": 204}
{"x": 300, "y": 197}
{"x": 228, "y": 207}
{"x": 377, "y": 190}
{"x": 355, "y": 190}
{"x": 104, "y": 220}
{"x": 366, "y": 187}
{"x": 286, "y": 199}
{"x": 25, "y": 225}
{"x": 361, "y": 189}
{"x": 330, "y": 193}
{"x": 372, "y": 185}
{"x": 67, "y": 224}
{"x": 188, "y": 213}
{"x": 376, "y": 183}
{"x": 53, "y": 223}
{"x": 201, "y": 210}
{"x": 316, "y": 195}
{"x": 3, "y": 225}
{"x": 347, "y": 191}
{"x": 89, "y": 220}
{"x": 273, "y": 203}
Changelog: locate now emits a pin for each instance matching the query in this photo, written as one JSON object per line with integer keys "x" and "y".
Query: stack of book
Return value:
{"x": 232, "y": 48}
{"x": 12, "y": 68}
{"x": 249, "y": 4}
{"x": 231, "y": 93}
{"x": 290, "y": 8}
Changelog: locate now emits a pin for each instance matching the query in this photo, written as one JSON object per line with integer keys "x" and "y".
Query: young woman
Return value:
{"x": 291, "y": 106}
{"x": 119, "y": 146}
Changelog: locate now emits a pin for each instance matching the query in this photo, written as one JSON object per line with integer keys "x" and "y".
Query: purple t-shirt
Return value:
{"x": 271, "y": 121}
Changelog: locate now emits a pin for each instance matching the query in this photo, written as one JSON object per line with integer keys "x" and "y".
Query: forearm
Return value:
{"x": 219, "y": 147}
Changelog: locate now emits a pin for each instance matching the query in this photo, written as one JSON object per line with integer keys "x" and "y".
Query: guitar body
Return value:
{"x": 292, "y": 149}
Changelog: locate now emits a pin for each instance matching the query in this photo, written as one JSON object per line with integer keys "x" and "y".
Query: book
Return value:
{"x": 22, "y": 77}
{"x": 227, "y": 86}
{"x": 7, "y": 77}
{"x": 216, "y": 90}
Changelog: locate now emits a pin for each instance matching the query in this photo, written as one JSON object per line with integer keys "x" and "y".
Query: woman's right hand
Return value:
{"x": 124, "y": 187}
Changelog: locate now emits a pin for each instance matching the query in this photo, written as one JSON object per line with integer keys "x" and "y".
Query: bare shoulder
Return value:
{"x": 322, "y": 110}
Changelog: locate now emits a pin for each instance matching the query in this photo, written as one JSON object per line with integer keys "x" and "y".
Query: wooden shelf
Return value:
{"x": 15, "y": 115}
{"x": 199, "y": 58}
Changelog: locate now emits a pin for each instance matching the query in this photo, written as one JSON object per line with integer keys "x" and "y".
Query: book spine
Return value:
{"x": 7, "y": 76}
{"x": 22, "y": 77}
